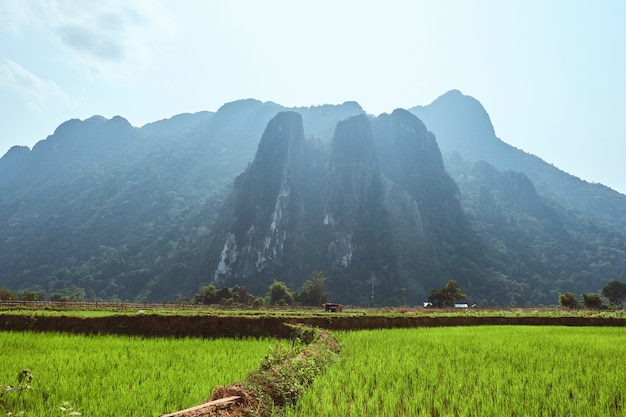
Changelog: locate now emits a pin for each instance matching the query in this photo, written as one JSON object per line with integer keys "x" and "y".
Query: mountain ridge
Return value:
{"x": 105, "y": 210}
{"x": 450, "y": 118}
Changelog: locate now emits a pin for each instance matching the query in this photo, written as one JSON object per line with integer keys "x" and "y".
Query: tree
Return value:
{"x": 312, "y": 292}
{"x": 280, "y": 294}
{"x": 7, "y": 294}
{"x": 568, "y": 300}
{"x": 615, "y": 291}
{"x": 29, "y": 295}
{"x": 591, "y": 300}
{"x": 241, "y": 295}
{"x": 446, "y": 296}
{"x": 207, "y": 295}
{"x": 224, "y": 295}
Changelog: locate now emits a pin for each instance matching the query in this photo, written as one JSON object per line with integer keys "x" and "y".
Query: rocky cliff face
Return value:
{"x": 124, "y": 212}
{"x": 370, "y": 212}
{"x": 104, "y": 210}
{"x": 259, "y": 219}
{"x": 353, "y": 184}
{"x": 412, "y": 160}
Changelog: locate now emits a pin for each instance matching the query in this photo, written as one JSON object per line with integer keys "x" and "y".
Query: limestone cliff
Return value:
{"x": 376, "y": 212}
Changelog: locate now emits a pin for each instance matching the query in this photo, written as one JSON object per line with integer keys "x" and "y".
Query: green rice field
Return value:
{"x": 121, "y": 376}
{"x": 474, "y": 371}
{"x": 436, "y": 371}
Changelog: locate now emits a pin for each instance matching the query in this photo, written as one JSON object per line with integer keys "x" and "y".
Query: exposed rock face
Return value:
{"x": 104, "y": 210}
{"x": 353, "y": 180}
{"x": 372, "y": 227}
{"x": 135, "y": 206}
{"x": 260, "y": 216}
{"x": 412, "y": 160}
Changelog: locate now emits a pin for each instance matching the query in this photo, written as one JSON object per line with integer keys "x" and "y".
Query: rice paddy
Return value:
{"x": 474, "y": 371}
{"x": 436, "y": 371}
{"x": 121, "y": 376}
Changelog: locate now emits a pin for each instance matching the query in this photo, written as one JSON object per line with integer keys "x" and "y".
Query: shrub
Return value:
{"x": 568, "y": 300}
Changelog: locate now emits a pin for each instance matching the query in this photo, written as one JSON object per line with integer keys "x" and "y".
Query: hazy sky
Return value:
{"x": 551, "y": 74}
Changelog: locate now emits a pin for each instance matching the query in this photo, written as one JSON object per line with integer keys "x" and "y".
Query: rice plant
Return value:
{"x": 121, "y": 376}
{"x": 474, "y": 371}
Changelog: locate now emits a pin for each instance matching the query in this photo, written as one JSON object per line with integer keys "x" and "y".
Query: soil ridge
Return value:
{"x": 153, "y": 325}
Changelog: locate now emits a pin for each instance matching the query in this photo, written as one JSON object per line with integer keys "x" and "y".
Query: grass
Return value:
{"x": 284, "y": 375}
{"x": 474, "y": 371}
{"x": 445, "y": 371}
{"x": 121, "y": 376}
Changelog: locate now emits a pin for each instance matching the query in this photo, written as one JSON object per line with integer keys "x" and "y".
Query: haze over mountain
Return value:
{"x": 550, "y": 73}
{"x": 256, "y": 192}
{"x": 462, "y": 125}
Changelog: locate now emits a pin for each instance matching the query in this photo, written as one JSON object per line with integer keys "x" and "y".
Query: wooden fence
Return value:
{"x": 125, "y": 306}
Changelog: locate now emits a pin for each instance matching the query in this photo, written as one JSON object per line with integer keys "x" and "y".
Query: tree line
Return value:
{"x": 614, "y": 292}
{"x": 311, "y": 293}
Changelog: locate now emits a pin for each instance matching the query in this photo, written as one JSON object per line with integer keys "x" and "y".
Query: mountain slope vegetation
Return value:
{"x": 256, "y": 192}
{"x": 462, "y": 126}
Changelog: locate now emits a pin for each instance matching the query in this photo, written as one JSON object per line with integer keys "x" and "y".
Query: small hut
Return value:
{"x": 333, "y": 308}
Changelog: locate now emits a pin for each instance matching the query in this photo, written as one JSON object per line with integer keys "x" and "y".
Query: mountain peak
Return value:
{"x": 258, "y": 221}
{"x": 353, "y": 140}
{"x": 244, "y": 106}
{"x": 16, "y": 151}
{"x": 90, "y": 125}
{"x": 469, "y": 111}
{"x": 452, "y": 93}
{"x": 13, "y": 163}
{"x": 283, "y": 136}
{"x": 459, "y": 121}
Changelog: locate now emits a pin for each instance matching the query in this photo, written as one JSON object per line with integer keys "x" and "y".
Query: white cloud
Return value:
{"x": 15, "y": 14}
{"x": 113, "y": 40}
{"x": 85, "y": 41}
{"x": 90, "y": 29}
{"x": 33, "y": 90}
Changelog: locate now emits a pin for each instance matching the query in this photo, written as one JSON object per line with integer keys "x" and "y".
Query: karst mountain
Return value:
{"x": 386, "y": 207}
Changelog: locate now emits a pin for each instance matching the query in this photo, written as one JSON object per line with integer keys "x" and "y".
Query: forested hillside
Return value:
{"x": 101, "y": 209}
{"x": 462, "y": 125}
{"x": 104, "y": 210}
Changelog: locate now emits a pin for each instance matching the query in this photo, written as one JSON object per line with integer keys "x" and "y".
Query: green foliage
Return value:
{"x": 72, "y": 293}
{"x": 67, "y": 409}
{"x": 446, "y": 296}
{"x": 236, "y": 296}
{"x": 285, "y": 373}
{"x": 104, "y": 211}
{"x": 117, "y": 376}
{"x": 122, "y": 213}
{"x": 24, "y": 378}
{"x": 28, "y": 295}
{"x": 568, "y": 300}
{"x": 592, "y": 301}
{"x": 312, "y": 292}
{"x": 615, "y": 291}
{"x": 206, "y": 295}
{"x": 533, "y": 248}
{"x": 7, "y": 294}
{"x": 280, "y": 295}
{"x": 473, "y": 371}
